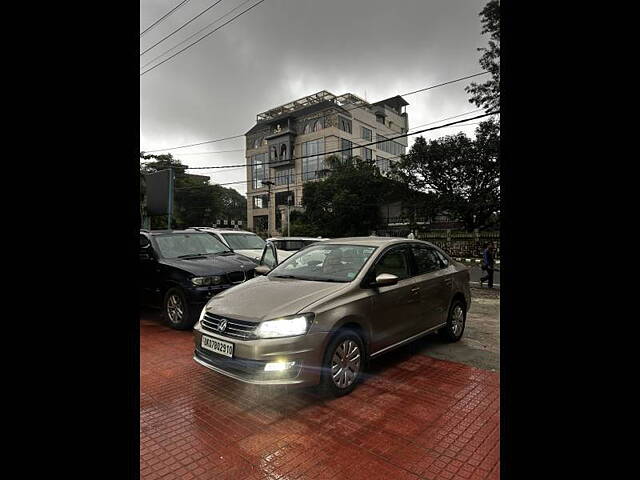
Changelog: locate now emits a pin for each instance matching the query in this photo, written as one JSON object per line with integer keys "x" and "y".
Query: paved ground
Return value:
{"x": 480, "y": 343}
{"x": 476, "y": 272}
{"x": 414, "y": 417}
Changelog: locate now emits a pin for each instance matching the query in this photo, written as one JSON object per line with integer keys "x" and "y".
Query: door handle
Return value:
{"x": 415, "y": 289}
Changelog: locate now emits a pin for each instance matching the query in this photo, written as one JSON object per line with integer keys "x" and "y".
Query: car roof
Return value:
{"x": 220, "y": 230}
{"x": 372, "y": 241}
{"x": 297, "y": 238}
{"x": 160, "y": 232}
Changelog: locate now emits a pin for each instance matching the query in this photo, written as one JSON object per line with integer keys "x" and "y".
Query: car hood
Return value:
{"x": 265, "y": 298}
{"x": 212, "y": 265}
{"x": 251, "y": 253}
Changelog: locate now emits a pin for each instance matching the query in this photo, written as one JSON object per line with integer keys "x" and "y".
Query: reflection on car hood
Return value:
{"x": 265, "y": 298}
{"x": 212, "y": 265}
{"x": 251, "y": 253}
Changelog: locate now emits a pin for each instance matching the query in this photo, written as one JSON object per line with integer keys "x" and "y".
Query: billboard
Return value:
{"x": 158, "y": 188}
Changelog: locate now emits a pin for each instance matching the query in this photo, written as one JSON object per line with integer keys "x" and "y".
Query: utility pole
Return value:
{"x": 288, "y": 202}
{"x": 268, "y": 183}
{"x": 170, "y": 208}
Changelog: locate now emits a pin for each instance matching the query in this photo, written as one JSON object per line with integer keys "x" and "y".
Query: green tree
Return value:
{"x": 347, "y": 202}
{"x": 462, "y": 174}
{"x": 487, "y": 95}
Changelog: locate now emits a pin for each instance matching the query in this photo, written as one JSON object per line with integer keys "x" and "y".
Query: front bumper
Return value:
{"x": 251, "y": 356}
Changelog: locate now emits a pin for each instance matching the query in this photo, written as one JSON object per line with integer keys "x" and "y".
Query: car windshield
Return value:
{"x": 325, "y": 263}
{"x": 174, "y": 245}
{"x": 244, "y": 241}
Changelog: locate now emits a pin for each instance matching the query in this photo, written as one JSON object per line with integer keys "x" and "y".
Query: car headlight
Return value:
{"x": 212, "y": 280}
{"x": 285, "y": 327}
{"x": 199, "y": 322}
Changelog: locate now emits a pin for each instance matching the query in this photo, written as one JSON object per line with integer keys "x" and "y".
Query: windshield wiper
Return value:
{"x": 290, "y": 276}
{"x": 316, "y": 279}
{"x": 193, "y": 255}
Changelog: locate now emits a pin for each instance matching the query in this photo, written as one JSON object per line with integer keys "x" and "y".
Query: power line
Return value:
{"x": 323, "y": 116}
{"x": 191, "y": 36}
{"x": 180, "y": 28}
{"x": 201, "y": 38}
{"x": 163, "y": 17}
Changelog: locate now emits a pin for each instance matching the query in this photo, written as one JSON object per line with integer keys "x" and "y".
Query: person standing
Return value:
{"x": 488, "y": 265}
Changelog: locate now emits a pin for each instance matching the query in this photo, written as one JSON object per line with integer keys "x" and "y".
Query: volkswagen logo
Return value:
{"x": 222, "y": 325}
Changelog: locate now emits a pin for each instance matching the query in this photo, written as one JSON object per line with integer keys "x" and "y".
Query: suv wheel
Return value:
{"x": 456, "y": 321}
{"x": 176, "y": 310}
{"x": 343, "y": 364}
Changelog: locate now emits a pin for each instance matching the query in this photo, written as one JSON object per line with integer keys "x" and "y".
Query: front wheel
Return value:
{"x": 343, "y": 364}
{"x": 176, "y": 310}
{"x": 452, "y": 331}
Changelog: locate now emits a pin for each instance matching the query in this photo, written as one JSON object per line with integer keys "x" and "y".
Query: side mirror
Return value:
{"x": 385, "y": 280}
{"x": 262, "y": 270}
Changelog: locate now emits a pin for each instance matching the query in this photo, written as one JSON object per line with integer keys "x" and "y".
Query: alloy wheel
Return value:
{"x": 457, "y": 320}
{"x": 345, "y": 363}
{"x": 175, "y": 309}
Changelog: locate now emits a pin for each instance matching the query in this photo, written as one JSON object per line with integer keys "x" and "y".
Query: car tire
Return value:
{"x": 176, "y": 311}
{"x": 456, "y": 321}
{"x": 344, "y": 352}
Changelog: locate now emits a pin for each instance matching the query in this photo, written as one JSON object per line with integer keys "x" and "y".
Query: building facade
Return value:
{"x": 288, "y": 145}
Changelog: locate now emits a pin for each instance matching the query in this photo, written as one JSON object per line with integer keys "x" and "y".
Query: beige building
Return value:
{"x": 287, "y": 146}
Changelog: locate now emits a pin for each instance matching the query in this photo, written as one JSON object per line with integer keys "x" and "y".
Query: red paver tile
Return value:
{"x": 413, "y": 418}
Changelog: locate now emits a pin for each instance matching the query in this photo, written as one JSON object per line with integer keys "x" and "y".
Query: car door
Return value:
{"x": 394, "y": 307}
{"x": 148, "y": 271}
{"x": 269, "y": 256}
{"x": 434, "y": 282}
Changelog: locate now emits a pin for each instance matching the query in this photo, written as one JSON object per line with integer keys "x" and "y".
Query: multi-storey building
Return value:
{"x": 287, "y": 147}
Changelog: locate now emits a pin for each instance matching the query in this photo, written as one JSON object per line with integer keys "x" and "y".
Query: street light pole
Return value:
{"x": 268, "y": 183}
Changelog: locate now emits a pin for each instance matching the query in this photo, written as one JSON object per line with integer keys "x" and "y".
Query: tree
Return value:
{"x": 346, "y": 203}
{"x": 487, "y": 95}
{"x": 462, "y": 173}
{"x": 196, "y": 202}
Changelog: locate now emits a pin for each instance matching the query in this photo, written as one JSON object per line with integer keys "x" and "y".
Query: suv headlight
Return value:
{"x": 212, "y": 280}
{"x": 285, "y": 327}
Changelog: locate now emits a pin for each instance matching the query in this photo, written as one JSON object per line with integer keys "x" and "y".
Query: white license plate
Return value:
{"x": 218, "y": 346}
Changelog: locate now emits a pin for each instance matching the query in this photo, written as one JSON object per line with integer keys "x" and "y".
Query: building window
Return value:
{"x": 257, "y": 142}
{"x": 285, "y": 176}
{"x": 383, "y": 164}
{"x": 380, "y": 118}
{"x": 389, "y": 146}
{"x": 258, "y": 170}
{"x": 260, "y": 201}
{"x": 367, "y": 134}
{"x": 347, "y": 149}
{"x": 367, "y": 154}
{"x": 307, "y": 127}
{"x": 319, "y": 125}
{"x": 344, "y": 124}
{"x": 311, "y": 159}
{"x": 281, "y": 198}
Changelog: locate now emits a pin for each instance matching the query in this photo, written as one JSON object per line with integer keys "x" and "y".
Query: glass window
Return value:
{"x": 318, "y": 125}
{"x": 307, "y": 127}
{"x": 260, "y": 201}
{"x": 181, "y": 245}
{"x": 443, "y": 259}
{"x": 346, "y": 146}
{"x": 344, "y": 124}
{"x": 244, "y": 241}
{"x": 268, "y": 257}
{"x": 325, "y": 263}
{"x": 384, "y": 164}
{"x": 390, "y": 146}
{"x": 427, "y": 259}
{"x": 367, "y": 154}
{"x": 284, "y": 176}
{"x": 259, "y": 170}
{"x": 312, "y": 159}
{"x": 393, "y": 262}
{"x": 367, "y": 134}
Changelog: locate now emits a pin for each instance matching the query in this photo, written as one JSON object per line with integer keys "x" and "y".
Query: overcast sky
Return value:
{"x": 286, "y": 49}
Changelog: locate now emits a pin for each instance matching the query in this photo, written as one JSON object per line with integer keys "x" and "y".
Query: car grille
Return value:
{"x": 237, "y": 277}
{"x": 235, "y": 328}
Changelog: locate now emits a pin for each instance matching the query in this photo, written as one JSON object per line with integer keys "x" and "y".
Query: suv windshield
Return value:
{"x": 325, "y": 263}
{"x": 244, "y": 241}
{"x": 174, "y": 245}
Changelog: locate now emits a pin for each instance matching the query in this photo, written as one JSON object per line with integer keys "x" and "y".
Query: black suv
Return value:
{"x": 180, "y": 270}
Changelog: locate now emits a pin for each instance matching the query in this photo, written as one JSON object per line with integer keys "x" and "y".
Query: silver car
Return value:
{"x": 320, "y": 315}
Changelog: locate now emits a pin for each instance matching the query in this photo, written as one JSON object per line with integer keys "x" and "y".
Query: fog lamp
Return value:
{"x": 278, "y": 366}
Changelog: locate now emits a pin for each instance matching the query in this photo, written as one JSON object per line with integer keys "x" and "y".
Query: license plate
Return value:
{"x": 217, "y": 346}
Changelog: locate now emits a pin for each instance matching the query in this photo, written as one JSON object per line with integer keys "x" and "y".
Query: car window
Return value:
{"x": 331, "y": 263}
{"x": 244, "y": 241}
{"x": 393, "y": 262}
{"x": 176, "y": 245}
{"x": 427, "y": 259}
{"x": 443, "y": 259}
{"x": 292, "y": 245}
{"x": 268, "y": 257}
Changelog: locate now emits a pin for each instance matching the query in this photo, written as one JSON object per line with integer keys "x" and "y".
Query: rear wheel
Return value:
{"x": 176, "y": 310}
{"x": 343, "y": 364}
{"x": 452, "y": 331}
